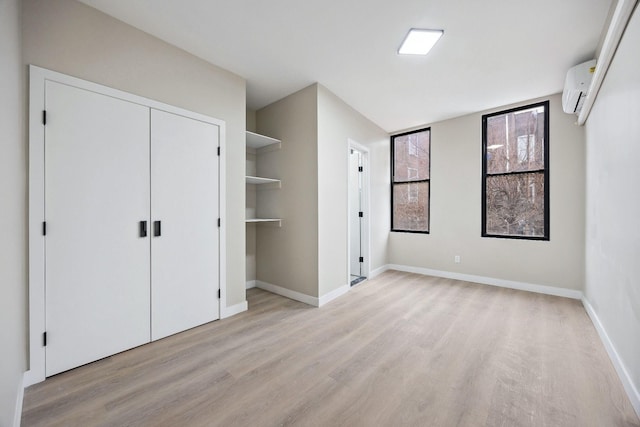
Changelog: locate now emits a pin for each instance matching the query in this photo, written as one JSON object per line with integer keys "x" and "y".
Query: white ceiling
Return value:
{"x": 493, "y": 52}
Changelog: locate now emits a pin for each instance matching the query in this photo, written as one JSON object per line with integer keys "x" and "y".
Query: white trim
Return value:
{"x": 288, "y": 293}
{"x": 618, "y": 364}
{"x": 615, "y": 30}
{"x": 44, "y": 74}
{"x": 37, "y": 78}
{"x": 17, "y": 416}
{"x": 251, "y": 284}
{"x": 530, "y": 287}
{"x": 378, "y": 271}
{"x": 298, "y": 296}
{"x": 234, "y": 309}
{"x": 328, "y": 297}
{"x": 30, "y": 378}
{"x": 37, "y": 322}
{"x": 366, "y": 209}
{"x": 222, "y": 214}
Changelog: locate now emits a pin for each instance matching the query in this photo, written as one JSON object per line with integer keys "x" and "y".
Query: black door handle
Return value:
{"x": 142, "y": 229}
{"x": 157, "y": 228}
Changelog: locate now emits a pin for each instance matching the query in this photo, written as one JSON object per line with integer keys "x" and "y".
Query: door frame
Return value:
{"x": 366, "y": 209}
{"x": 37, "y": 256}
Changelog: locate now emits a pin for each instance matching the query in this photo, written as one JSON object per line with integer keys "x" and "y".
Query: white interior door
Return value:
{"x": 355, "y": 207}
{"x": 184, "y": 197}
{"x": 96, "y": 192}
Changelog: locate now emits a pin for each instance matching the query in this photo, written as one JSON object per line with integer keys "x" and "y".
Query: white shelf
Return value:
{"x": 255, "y": 140}
{"x": 260, "y": 180}
{"x": 258, "y": 144}
{"x": 277, "y": 221}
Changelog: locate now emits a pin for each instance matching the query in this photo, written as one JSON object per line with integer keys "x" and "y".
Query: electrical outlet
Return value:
{"x": 456, "y": 259}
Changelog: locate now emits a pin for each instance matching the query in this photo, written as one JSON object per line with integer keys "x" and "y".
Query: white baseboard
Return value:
{"x": 288, "y": 293}
{"x": 17, "y": 417}
{"x": 31, "y": 379}
{"x": 333, "y": 294}
{"x": 298, "y": 296}
{"x": 378, "y": 271}
{"x": 233, "y": 310}
{"x": 625, "y": 378}
{"x": 251, "y": 284}
{"x": 531, "y": 287}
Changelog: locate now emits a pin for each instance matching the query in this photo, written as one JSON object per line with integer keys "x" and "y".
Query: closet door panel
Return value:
{"x": 96, "y": 192}
{"x": 184, "y": 197}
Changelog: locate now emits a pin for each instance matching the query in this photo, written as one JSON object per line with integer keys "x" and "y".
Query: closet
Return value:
{"x": 130, "y": 221}
{"x": 257, "y": 144}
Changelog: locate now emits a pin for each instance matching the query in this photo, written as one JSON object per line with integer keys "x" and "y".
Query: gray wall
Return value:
{"x": 13, "y": 213}
{"x": 456, "y": 171}
{"x": 72, "y": 38}
{"x": 309, "y": 253}
{"x": 337, "y": 123}
{"x": 288, "y": 256}
{"x": 613, "y": 203}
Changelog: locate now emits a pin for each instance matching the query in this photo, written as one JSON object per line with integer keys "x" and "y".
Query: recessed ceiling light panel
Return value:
{"x": 419, "y": 42}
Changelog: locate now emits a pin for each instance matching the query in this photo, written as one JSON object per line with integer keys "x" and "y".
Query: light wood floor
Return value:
{"x": 402, "y": 349}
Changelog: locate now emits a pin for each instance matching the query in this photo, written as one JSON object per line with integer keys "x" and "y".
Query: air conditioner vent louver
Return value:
{"x": 576, "y": 86}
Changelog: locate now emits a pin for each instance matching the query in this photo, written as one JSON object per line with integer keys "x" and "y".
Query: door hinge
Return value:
{"x": 44, "y": 228}
{"x": 44, "y": 117}
{"x": 218, "y": 222}
{"x": 44, "y": 339}
{"x": 219, "y": 294}
{"x": 361, "y": 214}
{"x": 360, "y": 168}
{"x": 218, "y": 151}
{"x": 361, "y": 259}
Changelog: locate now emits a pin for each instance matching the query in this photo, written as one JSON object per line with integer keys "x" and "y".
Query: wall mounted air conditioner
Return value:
{"x": 576, "y": 86}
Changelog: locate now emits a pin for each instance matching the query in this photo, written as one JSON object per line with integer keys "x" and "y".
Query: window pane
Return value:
{"x": 410, "y": 206}
{"x": 515, "y": 205}
{"x": 515, "y": 141}
{"x": 411, "y": 156}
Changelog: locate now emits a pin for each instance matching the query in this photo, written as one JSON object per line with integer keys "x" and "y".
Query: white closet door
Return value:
{"x": 184, "y": 198}
{"x": 97, "y": 191}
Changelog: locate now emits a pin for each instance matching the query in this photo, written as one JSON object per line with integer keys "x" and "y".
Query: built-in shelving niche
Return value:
{"x": 257, "y": 144}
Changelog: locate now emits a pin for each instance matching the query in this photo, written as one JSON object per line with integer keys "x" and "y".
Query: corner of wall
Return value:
{"x": 287, "y": 256}
{"x": 17, "y": 418}
{"x": 621, "y": 369}
{"x": 251, "y": 120}
{"x": 13, "y": 188}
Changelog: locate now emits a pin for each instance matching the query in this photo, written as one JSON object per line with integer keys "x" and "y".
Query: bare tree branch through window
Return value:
{"x": 410, "y": 181}
{"x": 515, "y": 173}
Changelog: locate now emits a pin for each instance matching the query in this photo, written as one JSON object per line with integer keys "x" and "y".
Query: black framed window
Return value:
{"x": 410, "y": 181}
{"x": 515, "y": 173}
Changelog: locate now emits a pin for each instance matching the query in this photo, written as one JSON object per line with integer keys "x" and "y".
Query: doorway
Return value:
{"x": 358, "y": 214}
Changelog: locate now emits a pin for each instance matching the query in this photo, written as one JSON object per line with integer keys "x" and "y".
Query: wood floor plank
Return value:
{"x": 399, "y": 350}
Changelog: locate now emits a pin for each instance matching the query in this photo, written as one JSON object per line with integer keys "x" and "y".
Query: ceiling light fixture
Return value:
{"x": 419, "y": 42}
